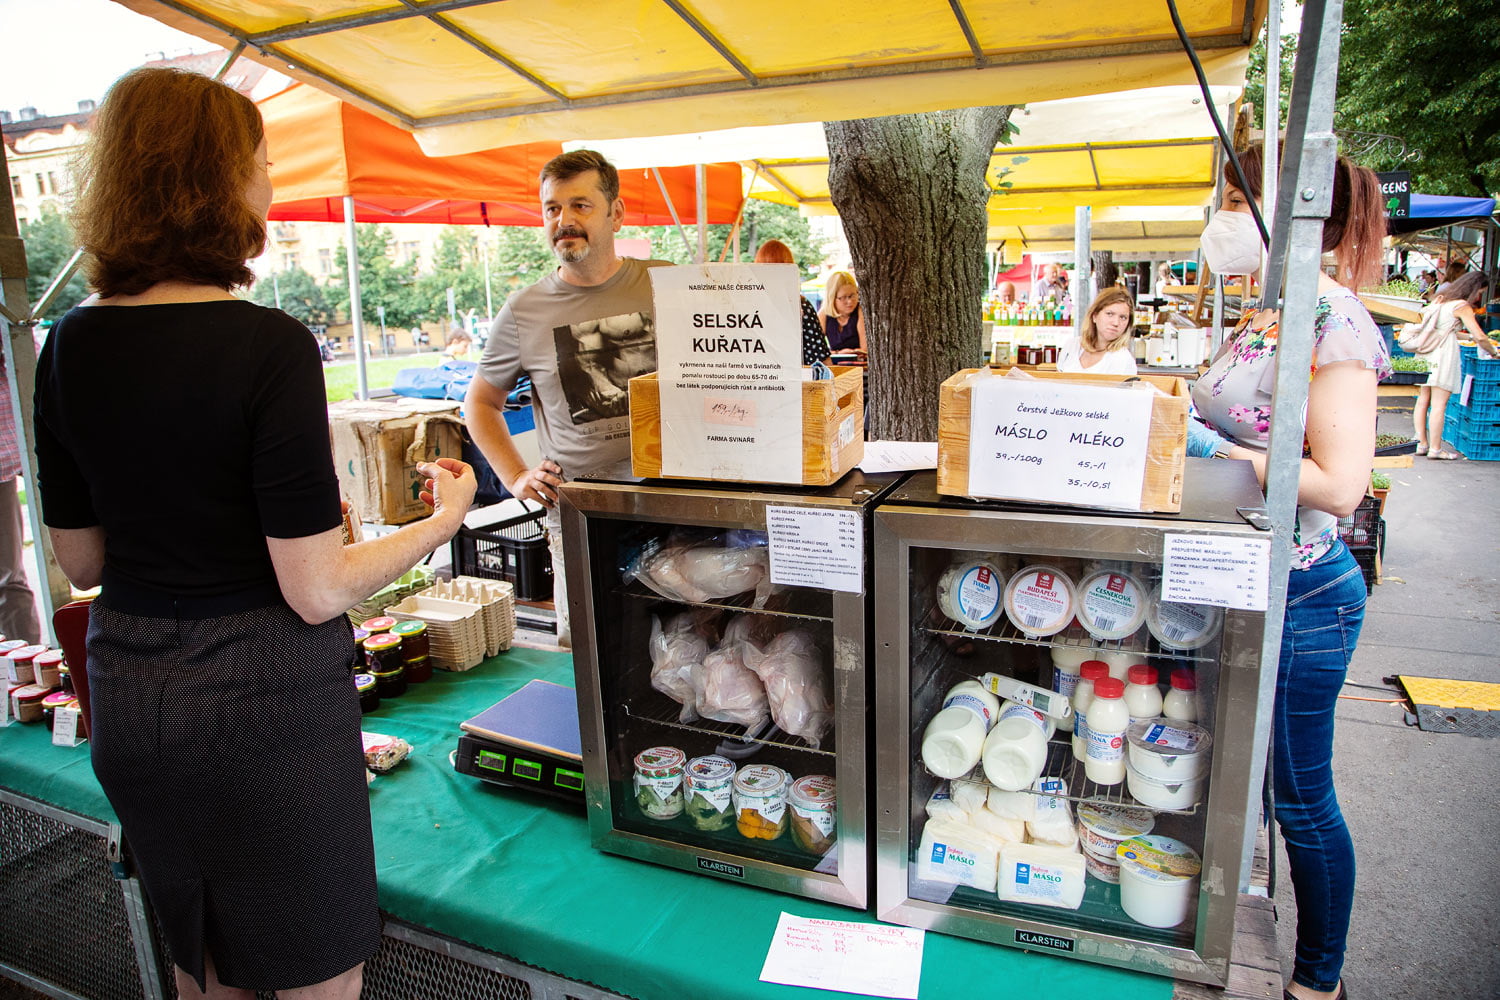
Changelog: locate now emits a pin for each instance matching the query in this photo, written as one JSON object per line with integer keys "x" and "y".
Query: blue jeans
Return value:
{"x": 1325, "y": 608}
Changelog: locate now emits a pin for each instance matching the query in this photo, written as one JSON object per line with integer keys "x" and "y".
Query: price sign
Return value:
{"x": 817, "y": 547}
{"x": 1210, "y": 569}
{"x": 845, "y": 956}
{"x": 65, "y": 727}
{"x": 1058, "y": 442}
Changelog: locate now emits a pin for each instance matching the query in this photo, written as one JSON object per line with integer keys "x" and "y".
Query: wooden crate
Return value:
{"x": 833, "y": 426}
{"x": 1166, "y": 448}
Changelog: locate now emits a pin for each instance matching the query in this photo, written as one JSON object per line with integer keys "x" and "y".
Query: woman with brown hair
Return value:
{"x": 814, "y": 342}
{"x": 1454, "y": 321}
{"x": 225, "y": 722}
{"x": 1102, "y": 345}
{"x": 1325, "y": 602}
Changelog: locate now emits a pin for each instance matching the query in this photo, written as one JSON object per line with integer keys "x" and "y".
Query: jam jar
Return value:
{"x": 385, "y": 662}
{"x": 369, "y": 693}
{"x": 18, "y": 668}
{"x": 48, "y": 668}
{"x": 414, "y": 649}
{"x": 375, "y": 626}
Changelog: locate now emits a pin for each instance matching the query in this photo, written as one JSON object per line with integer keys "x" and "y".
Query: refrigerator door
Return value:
{"x": 690, "y": 664}
{"x": 990, "y": 840}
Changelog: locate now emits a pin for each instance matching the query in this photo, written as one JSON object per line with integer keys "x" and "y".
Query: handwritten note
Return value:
{"x": 899, "y": 456}
{"x": 65, "y": 728}
{"x": 871, "y": 959}
{"x": 1212, "y": 569}
{"x": 817, "y": 547}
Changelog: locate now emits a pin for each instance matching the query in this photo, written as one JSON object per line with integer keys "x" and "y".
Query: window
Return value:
{"x": 289, "y": 261}
{"x": 325, "y": 261}
{"x": 410, "y": 249}
{"x": 52, "y": 183}
{"x": 15, "y": 186}
{"x": 41, "y": 183}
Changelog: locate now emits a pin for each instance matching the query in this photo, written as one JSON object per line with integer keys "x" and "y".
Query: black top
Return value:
{"x": 843, "y": 336}
{"x": 814, "y": 343}
{"x": 189, "y": 432}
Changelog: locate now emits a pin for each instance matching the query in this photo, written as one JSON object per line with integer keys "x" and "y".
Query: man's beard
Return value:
{"x": 571, "y": 256}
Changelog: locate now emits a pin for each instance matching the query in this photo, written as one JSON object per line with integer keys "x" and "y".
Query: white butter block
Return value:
{"x": 958, "y": 854}
{"x": 1041, "y": 875}
{"x": 1011, "y": 805}
{"x": 1010, "y": 830}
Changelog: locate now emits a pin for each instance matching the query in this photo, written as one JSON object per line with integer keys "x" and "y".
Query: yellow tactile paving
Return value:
{"x": 1445, "y": 693}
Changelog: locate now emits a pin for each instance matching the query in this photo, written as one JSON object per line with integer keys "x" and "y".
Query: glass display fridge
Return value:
{"x": 1063, "y": 754}
{"x": 723, "y": 718}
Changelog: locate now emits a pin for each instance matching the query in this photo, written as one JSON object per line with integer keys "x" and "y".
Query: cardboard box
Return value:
{"x": 833, "y": 426}
{"x": 1166, "y": 448}
{"x": 377, "y": 445}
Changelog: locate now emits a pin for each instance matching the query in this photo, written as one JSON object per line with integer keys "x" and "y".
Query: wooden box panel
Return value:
{"x": 833, "y": 426}
{"x": 1166, "y": 448}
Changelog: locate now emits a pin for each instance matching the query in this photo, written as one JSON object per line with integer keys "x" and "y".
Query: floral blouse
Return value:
{"x": 1235, "y": 393}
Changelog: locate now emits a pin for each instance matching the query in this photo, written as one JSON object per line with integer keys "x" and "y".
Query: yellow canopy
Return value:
{"x": 475, "y": 74}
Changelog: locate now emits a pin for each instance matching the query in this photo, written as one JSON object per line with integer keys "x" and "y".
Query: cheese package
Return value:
{"x": 959, "y": 854}
{"x": 1019, "y": 806}
{"x": 1041, "y": 875}
{"x": 1053, "y": 822}
{"x": 942, "y": 806}
{"x": 970, "y": 791}
{"x": 1010, "y": 830}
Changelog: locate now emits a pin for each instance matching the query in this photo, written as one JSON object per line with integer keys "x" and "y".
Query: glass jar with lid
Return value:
{"x": 384, "y": 660}
{"x": 708, "y": 792}
{"x": 814, "y": 802}
{"x": 760, "y": 793}
{"x": 414, "y": 650}
{"x": 658, "y": 782}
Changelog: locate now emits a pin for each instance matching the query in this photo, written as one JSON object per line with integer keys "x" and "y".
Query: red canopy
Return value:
{"x": 322, "y": 149}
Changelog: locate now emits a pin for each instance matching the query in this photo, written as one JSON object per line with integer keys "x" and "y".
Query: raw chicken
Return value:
{"x": 700, "y": 573}
{"x": 757, "y": 630}
{"x": 728, "y": 691}
{"x": 674, "y": 653}
{"x": 792, "y": 670}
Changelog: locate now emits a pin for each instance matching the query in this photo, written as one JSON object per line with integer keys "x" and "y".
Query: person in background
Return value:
{"x": 1325, "y": 602}
{"x": 581, "y": 333}
{"x": 843, "y": 322}
{"x": 1102, "y": 345}
{"x": 17, "y": 603}
{"x": 458, "y": 344}
{"x": 814, "y": 341}
{"x": 1451, "y": 273}
{"x": 1007, "y": 292}
{"x": 1051, "y": 285}
{"x": 225, "y": 726}
{"x": 1455, "y": 302}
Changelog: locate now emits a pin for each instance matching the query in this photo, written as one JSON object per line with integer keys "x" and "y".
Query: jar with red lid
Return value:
{"x": 47, "y": 668}
{"x": 52, "y": 702}
{"x": 26, "y": 702}
{"x": 375, "y": 626}
{"x": 414, "y": 650}
{"x": 385, "y": 663}
{"x": 18, "y": 663}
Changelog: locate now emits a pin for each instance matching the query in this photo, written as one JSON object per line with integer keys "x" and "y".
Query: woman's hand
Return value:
{"x": 450, "y": 486}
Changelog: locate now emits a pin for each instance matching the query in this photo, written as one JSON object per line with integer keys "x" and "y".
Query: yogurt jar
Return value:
{"x": 971, "y": 593}
{"x": 1158, "y": 879}
{"x": 1040, "y": 601}
{"x": 1181, "y": 626}
{"x": 1111, "y": 604}
{"x": 1103, "y": 827}
{"x": 1104, "y": 871}
{"x": 1177, "y": 793}
{"x": 1169, "y": 749}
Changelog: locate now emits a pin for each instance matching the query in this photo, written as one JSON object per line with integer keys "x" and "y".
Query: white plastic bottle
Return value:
{"x": 1066, "y": 660}
{"x": 954, "y": 738}
{"x": 1015, "y": 752}
{"x": 1143, "y": 698}
{"x": 1088, "y": 673}
{"x": 1181, "y": 703}
{"x": 1108, "y": 719}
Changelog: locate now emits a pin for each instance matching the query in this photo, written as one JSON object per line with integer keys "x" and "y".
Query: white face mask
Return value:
{"x": 1231, "y": 243}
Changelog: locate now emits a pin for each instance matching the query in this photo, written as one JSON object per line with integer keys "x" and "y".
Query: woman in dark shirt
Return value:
{"x": 842, "y": 320}
{"x": 184, "y": 464}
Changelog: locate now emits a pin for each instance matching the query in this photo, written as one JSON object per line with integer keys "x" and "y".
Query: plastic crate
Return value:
{"x": 1481, "y": 445}
{"x": 1368, "y": 556}
{"x": 1484, "y": 394}
{"x": 1486, "y": 370}
{"x": 514, "y": 549}
{"x": 1363, "y": 526}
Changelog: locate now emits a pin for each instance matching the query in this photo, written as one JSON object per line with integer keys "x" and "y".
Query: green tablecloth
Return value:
{"x": 514, "y": 873}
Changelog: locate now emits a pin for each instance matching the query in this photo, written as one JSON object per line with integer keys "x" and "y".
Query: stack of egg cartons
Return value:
{"x": 408, "y": 583}
{"x": 497, "y": 598}
{"x": 455, "y": 629}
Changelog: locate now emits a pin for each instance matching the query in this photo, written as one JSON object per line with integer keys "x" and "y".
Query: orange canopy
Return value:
{"x": 322, "y": 149}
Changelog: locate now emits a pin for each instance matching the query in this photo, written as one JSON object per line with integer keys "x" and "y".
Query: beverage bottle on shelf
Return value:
{"x": 953, "y": 740}
{"x": 1181, "y": 703}
{"x": 1142, "y": 697}
{"x": 1089, "y": 672}
{"x": 1015, "y": 751}
{"x": 1108, "y": 720}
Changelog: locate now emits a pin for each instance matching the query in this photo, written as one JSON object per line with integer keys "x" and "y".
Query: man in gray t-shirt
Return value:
{"x": 581, "y": 333}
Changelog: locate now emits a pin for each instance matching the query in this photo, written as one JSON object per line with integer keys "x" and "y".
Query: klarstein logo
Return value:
{"x": 1033, "y": 940}
{"x": 721, "y": 868}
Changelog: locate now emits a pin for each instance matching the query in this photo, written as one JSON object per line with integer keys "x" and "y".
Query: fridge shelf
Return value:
{"x": 767, "y": 734}
{"x": 937, "y": 623}
{"x": 1061, "y": 764}
{"x": 798, "y": 602}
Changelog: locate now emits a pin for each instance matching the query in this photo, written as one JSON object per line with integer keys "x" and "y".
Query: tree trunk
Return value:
{"x": 1105, "y": 270}
{"x": 912, "y": 192}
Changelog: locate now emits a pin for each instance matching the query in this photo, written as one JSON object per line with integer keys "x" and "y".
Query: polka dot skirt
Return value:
{"x": 814, "y": 343}
{"x": 230, "y": 749}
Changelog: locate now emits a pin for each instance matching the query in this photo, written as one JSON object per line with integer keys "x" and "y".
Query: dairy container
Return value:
{"x": 1168, "y": 749}
{"x": 1174, "y": 793}
{"x": 1158, "y": 879}
{"x": 1111, "y": 604}
{"x": 1103, "y": 826}
{"x": 1102, "y": 870}
{"x": 958, "y": 854}
{"x": 1041, "y": 875}
{"x": 1107, "y": 720}
{"x": 1181, "y": 626}
{"x": 1083, "y": 694}
{"x": 1052, "y": 822}
{"x": 1142, "y": 696}
{"x": 1181, "y": 702}
{"x": 972, "y": 592}
{"x": 1016, "y": 749}
{"x": 954, "y": 738}
{"x": 1039, "y": 601}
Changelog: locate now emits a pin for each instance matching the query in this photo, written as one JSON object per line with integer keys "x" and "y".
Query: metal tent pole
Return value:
{"x": 352, "y": 250}
{"x": 1303, "y": 203}
{"x": 700, "y": 183}
{"x": 662, "y": 186}
{"x": 1083, "y": 265}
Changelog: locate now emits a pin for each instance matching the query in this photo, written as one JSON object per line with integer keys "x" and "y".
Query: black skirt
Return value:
{"x": 230, "y": 749}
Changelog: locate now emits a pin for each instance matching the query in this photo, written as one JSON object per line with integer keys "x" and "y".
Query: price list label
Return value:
{"x": 817, "y": 547}
{"x": 845, "y": 956}
{"x": 1208, "y": 569}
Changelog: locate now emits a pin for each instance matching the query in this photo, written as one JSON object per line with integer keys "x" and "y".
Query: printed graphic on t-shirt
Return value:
{"x": 597, "y": 359}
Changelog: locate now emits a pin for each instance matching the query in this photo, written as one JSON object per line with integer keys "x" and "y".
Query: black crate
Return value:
{"x": 514, "y": 549}
{"x": 1369, "y": 555}
{"x": 1364, "y": 527}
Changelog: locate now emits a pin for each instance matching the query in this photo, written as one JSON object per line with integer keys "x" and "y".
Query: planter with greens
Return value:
{"x": 1408, "y": 371}
{"x": 1395, "y": 444}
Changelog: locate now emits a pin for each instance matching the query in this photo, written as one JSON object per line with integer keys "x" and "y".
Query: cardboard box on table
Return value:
{"x": 377, "y": 445}
{"x": 1166, "y": 449}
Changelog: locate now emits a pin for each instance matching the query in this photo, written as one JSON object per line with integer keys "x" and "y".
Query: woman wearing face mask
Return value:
{"x": 1325, "y": 592}
{"x": 1102, "y": 346}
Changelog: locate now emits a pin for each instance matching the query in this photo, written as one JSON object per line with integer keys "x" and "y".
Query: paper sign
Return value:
{"x": 1058, "y": 442}
{"x": 1468, "y": 388}
{"x": 729, "y": 368}
{"x": 1212, "y": 569}
{"x": 817, "y": 547}
{"x": 4, "y": 706}
{"x": 65, "y": 727}
{"x": 899, "y": 456}
{"x": 872, "y": 959}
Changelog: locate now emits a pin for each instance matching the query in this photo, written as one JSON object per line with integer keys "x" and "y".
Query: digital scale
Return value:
{"x": 527, "y": 740}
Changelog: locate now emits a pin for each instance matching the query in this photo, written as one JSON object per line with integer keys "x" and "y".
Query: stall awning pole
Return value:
{"x": 1083, "y": 266}
{"x": 671, "y": 207}
{"x": 1304, "y": 202}
{"x": 355, "y": 316}
{"x": 700, "y": 184}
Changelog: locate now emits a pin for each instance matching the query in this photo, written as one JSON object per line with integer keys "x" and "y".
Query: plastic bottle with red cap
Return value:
{"x": 1142, "y": 696}
{"x": 1108, "y": 718}
{"x": 1089, "y": 672}
{"x": 1181, "y": 703}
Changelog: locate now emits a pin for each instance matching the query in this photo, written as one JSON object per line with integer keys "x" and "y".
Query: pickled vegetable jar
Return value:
{"x": 708, "y": 789}
{"x": 814, "y": 802}
{"x": 760, "y": 792}
{"x": 658, "y": 782}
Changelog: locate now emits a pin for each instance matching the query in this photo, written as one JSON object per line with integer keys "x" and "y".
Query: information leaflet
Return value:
{"x": 1058, "y": 442}
{"x": 1212, "y": 569}
{"x": 729, "y": 366}
{"x": 816, "y": 547}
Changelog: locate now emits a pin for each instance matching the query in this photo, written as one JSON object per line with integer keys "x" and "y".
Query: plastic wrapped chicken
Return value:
{"x": 727, "y": 690}
{"x": 698, "y": 571}
{"x": 675, "y": 650}
{"x": 757, "y": 630}
{"x": 791, "y": 668}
